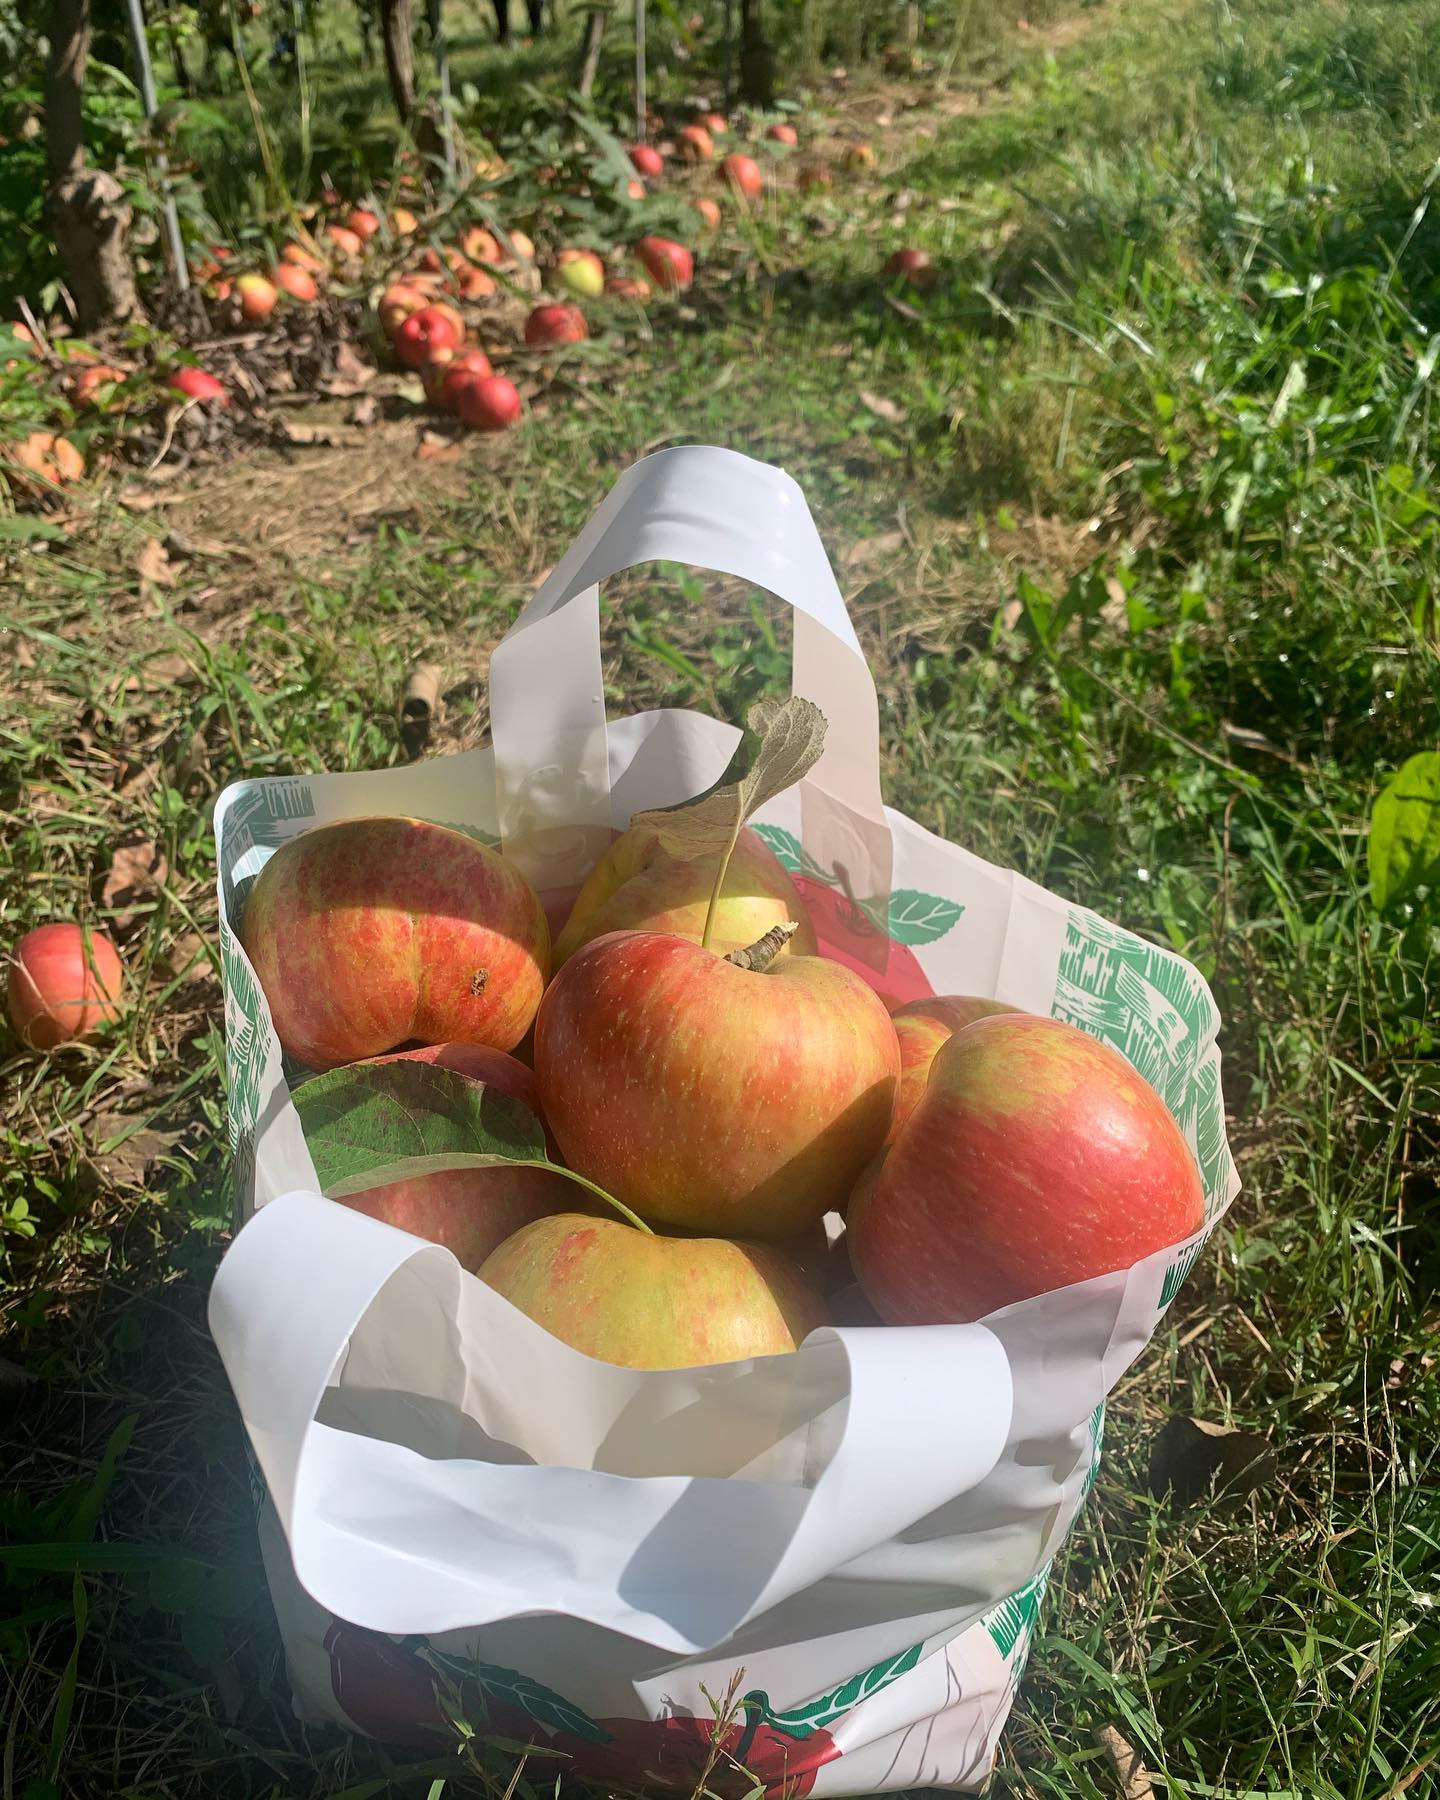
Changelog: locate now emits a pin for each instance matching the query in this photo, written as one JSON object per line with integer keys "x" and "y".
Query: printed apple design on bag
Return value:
{"x": 866, "y": 935}
{"x": 390, "y": 1690}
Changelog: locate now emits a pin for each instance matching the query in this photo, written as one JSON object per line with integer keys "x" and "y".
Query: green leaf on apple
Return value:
{"x": 374, "y": 1123}
{"x": 788, "y": 740}
{"x": 369, "y": 1124}
{"x": 917, "y": 918}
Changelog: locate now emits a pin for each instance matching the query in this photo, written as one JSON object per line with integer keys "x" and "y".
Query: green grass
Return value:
{"x": 1172, "y": 403}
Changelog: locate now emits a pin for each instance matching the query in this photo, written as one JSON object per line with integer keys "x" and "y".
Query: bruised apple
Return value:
{"x": 646, "y": 1302}
{"x": 922, "y": 1026}
{"x": 638, "y": 886}
{"x": 470, "y": 1211}
{"x": 372, "y": 933}
{"x": 712, "y": 1096}
{"x": 1036, "y": 1157}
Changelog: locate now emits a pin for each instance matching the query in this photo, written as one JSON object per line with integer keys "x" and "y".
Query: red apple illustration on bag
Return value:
{"x": 383, "y": 1688}
{"x": 849, "y": 936}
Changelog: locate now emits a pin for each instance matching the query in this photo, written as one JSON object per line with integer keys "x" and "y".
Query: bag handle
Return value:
{"x": 896, "y": 1422}
{"x": 717, "y": 510}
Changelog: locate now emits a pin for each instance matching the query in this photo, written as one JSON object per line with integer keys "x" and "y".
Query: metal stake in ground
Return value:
{"x": 179, "y": 267}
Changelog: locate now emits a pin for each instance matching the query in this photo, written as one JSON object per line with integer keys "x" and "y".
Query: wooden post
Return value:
{"x": 640, "y": 106}
{"x": 442, "y": 71}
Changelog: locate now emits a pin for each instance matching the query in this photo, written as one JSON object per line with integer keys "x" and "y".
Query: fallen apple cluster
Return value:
{"x": 721, "y": 1104}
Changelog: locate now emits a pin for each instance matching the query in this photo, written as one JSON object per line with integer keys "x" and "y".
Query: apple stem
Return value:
{"x": 594, "y": 1187}
{"x": 763, "y": 951}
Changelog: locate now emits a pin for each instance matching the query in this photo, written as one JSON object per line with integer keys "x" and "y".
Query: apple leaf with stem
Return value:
{"x": 790, "y": 738}
{"x": 369, "y": 1124}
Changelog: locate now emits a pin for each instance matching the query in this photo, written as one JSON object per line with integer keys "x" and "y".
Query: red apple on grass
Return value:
{"x": 709, "y": 211}
{"x": 638, "y": 886}
{"x": 716, "y": 124}
{"x": 449, "y": 372}
{"x": 64, "y": 982}
{"x": 301, "y": 258}
{"x": 647, "y": 161}
{"x": 553, "y": 324}
{"x": 85, "y": 387}
{"x": 635, "y": 190}
{"x": 668, "y": 264}
{"x": 489, "y": 403}
{"x": 858, "y": 158}
{"x": 347, "y": 242}
{"x": 742, "y": 174}
{"x": 913, "y": 266}
{"x": 470, "y": 1211}
{"x": 298, "y": 283}
{"x": 710, "y": 1096}
{"x": 627, "y": 287}
{"x": 580, "y": 272}
{"x": 397, "y": 303}
{"x": 371, "y": 933}
{"x": 480, "y": 246}
{"x": 403, "y": 222}
{"x": 430, "y": 329}
{"x": 198, "y": 384}
{"x": 257, "y": 297}
{"x": 363, "y": 223}
{"x": 922, "y": 1026}
{"x": 471, "y": 283}
{"x": 1037, "y": 1157}
{"x": 783, "y": 134}
{"x": 624, "y": 1296}
{"x": 696, "y": 143}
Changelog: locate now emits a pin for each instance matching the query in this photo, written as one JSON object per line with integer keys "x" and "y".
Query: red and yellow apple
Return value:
{"x": 298, "y": 283}
{"x": 422, "y": 333}
{"x": 1036, "y": 1157}
{"x": 552, "y": 324}
{"x": 647, "y": 1302}
{"x": 489, "y": 402}
{"x": 668, "y": 264}
{"x": 471, "y": 1211}
{"x": 369, "y": 934}
{"x": 647, "y": 161}
{"x": 638, "y": 886}
{"x": 913, "y": 266}
{"x": 64, "y": 982}
{"x": 257, "y": 297}
{"x": 783, "y": 134}
{"x": 197, "y": 384}
{"x": 922, "y": 1026}
{"x": 709, "y": 1096}
{"x": 742, "y": 175}
{"x": 696, "y": 143}
{"x": 580, "y": 272}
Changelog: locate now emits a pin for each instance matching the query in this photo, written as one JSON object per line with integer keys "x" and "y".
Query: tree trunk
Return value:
{"x": 84, "y": 208}
{"x": 757, "y": 57}
{"x": 590, "y": 50}
{"x": 367, "y": 34}
{"x": 395, "y": 26}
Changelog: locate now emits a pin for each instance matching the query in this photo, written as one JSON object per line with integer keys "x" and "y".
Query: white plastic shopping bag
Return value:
{"x": 851, "y": 1542}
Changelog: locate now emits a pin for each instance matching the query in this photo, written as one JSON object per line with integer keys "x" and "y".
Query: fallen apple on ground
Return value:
{"x": 922, "y": 1026}
{"x": 298, "y": 283}
{"x": 363, "y": 223}
{"x": 638, "y": 886}
{"x": 347, "y": 242}
{"x": 668, "y": 264}
{"x": 696, "y": 143}
{"x": 709, "y": 211}
{"x": 647, "y": 161}
{"x": 470, "y": 1211}
{"x": 489, "y": 403}
{"x": 628, "y": 287}
{"x": 580, "y": 272}
{"x": 85, "y": 387}
{"x": 422, "y": 333}
{"x": 629, "y": 1297}
{"x": 858, "y": 158}
{"x": 1036, "y": 1157}
{"x": 480, "y": 246}
{"x": 783, "y": 134}
{"x": 914, "y": 266}
{"x": 716, "y": 124}
{"x": 197, "y": 384}
{"x": 552, "y": 324}
{"x": 256, "y": 296}
{"x": 455, "y": 371}
{"x": 65, "y": 981}
{"x": 471, "y": 283}
{"x": 301, "y": 258}
{"x": 397, "y": 303}
{"x": 371, "y": 933}
{"x": 742, "y": 175}
{"x": 712, "y": 1096}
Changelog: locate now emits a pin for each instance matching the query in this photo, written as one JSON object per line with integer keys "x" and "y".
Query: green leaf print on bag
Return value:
{"x": 1014, "y": 1618}
{"x": 917, "y": 918}
{"x": 815, "y": 1715}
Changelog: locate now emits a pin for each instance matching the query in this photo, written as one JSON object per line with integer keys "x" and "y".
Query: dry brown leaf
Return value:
{"x": 137, "y": 870}
{"x": 187, "y": 959}
{"x": 365, "y": 411}
{"x": 350, "y": 374}
{"x": 1130, "y": 1773}
{"x": 124, "y": 1151}
{"x": 866, "y": 552}
{"x": 153, "y": 565}
{"x": 881, "y": 407}
{"x": 1192, "y": 1457}
{"x": 332, "y": 437}
{"x": 437, "y": 449}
